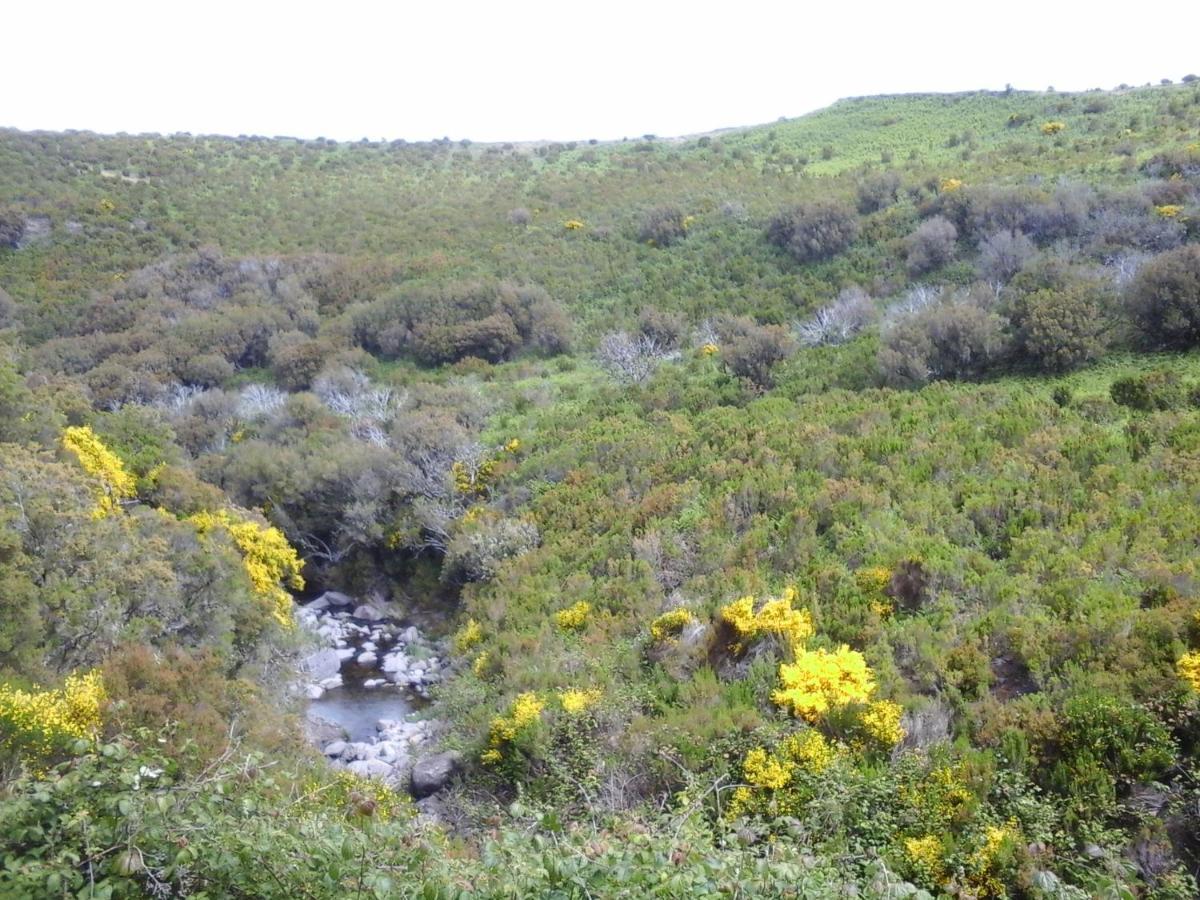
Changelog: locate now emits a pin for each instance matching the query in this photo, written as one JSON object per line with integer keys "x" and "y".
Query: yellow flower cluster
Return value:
{"x": 574, "y": 617}
{"x": 39, "y": 722}
{"x": 481, "y": 664}
{"x": 1188, "y": 668}
{"x": 114, "y": 483}
{"x": 820, "y": 680}
{"x": 1169, "y": 211}
{"x": 872, "y": 583}
{"x": 950, "y": 185}
{"x": 573, "y": 225}
{"x": 982, "y": 865}
{"x": 941, "y": 796}
{"x": 806, "y": 751}
{"x": 468, "y": 636}
{"x": 526, "y": 711}
{"x": 575, "y": 702}
{"x": 810, "y": 751}
{"x": 1053, "y": 127}
{"x": 881, "y": 722}
{"x": 710, "y": 349}
{"x": 269, "y": 560}
{"x": 472, "y": 481}
{"x": 776, "y": 616}
{"x": 925, "y": 854}
{"x": 765, "y": 770}
{"x": 668, "y": 626}
{"x": 513, "y": 445}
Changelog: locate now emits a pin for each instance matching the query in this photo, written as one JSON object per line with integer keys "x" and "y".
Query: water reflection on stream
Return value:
{"x": 358, "y": 709}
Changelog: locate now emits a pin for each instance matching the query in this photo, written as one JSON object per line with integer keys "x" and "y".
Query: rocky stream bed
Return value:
{"x": 366, "y": 686}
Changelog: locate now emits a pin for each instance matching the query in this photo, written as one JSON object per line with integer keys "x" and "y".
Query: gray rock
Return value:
{"x": 314, "y": 692}
{"x": 336, "y": 598}
{"x": 394, "y": 662}
{"x": 321, "y": 731}
{"x": 370, "y": 768}
{"x": 432, "y": 773}
{"x": 322, "y": 664}
{"x": 367, "y": 658}
{"x": 337, "y": 748}
{"x": 368, "y": 612}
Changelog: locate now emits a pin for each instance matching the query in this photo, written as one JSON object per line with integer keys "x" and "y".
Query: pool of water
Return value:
{"x": 358, "y": 709}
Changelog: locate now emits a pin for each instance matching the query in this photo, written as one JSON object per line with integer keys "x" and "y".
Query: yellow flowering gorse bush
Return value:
{"x": 668, "y": 626}
{"x": 821, "y": 680}
{"x": 468, "y": 636}
{"x": 1188, "y": 668}
{"x": 881, "y": 722}
{"x": 776, "y": 617}
{"x": 269, "y": 560}
{"x": 574, "y": 617}
{"x": 575, "y": 701}
{"x": 38, "y": 723}
{"x": 872, "y": 584}
{"x": 114, "y": 483}
{"x": 525, "y": 712}
{"x": 772, "y": 778}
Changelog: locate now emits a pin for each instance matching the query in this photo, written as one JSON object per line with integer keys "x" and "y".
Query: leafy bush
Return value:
{"x": 1003, "y": 254}
{"x": 479, "y": 549}
{"x": 878, "y": 192}
{"x": 1164, "y": 299}
{"x": 1058, "y": 330}
{"x": 1148, "y": 392}
{"x": 663, "y": 226}
{"x": 931, "y": 245}
{"x": 815, "y": 231}
{"x": 950, "y": 339}
{"x": 752, "y": 351}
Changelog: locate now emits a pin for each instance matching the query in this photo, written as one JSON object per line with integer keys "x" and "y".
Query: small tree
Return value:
{"x": 814, "y": 231}
{"x": 1058, "y": 330}
{"x": 954, "y": 339}
{"x": 629, "y": 359}
{"x": 1164, "y": 299}
{"x": 663, "y": 226}
{"x": 1003, "y": 254}
{"x": 840, "y": 321}
{"x": 752, "y": 351}
{"x": 931, "y": 245}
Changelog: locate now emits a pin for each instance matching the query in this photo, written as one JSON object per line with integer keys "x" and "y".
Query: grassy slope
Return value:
{"x": 1041, "y": 525}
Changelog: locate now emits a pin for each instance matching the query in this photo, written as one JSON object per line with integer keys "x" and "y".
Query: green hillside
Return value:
{"x": 805, "y": 510}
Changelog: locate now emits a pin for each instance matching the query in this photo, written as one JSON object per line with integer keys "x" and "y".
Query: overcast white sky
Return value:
{"x": 559, "y": 70}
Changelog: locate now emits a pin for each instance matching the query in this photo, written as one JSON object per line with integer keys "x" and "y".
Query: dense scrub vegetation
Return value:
{"x": 812, "y": 506}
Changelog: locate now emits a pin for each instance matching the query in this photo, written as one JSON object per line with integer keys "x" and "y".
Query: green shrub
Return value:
{"x": 1164, "y": 299}
{"x": 1060, "y": 330}
{"x": 815, "y": 231}
{"x": 663, "y": 226}
{"x": 954, "y": 339}
{"x": 1149, "y": 392}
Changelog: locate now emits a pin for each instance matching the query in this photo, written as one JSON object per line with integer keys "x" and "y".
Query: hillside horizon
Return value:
{"x": 671, "y": 138}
